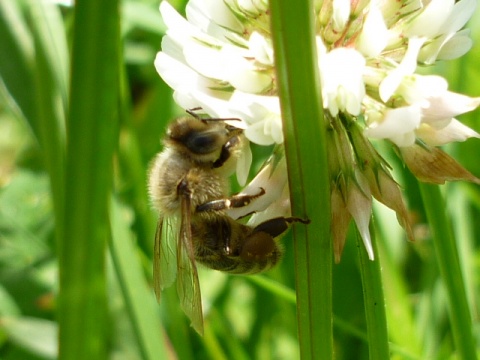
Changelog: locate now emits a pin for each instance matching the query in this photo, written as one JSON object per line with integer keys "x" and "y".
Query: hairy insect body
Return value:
{"x": 188, "y": 184}
{"x": 218, "y": 241}
{"x": 226, "y": 245}
{"x": 204, "y": 183}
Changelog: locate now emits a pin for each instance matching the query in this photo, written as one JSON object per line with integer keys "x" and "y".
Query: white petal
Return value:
{"x": 192, "y": 89}
{"x": 341, "y": 72}
{"x": 208, "y": 14}
{"x": 274, "y": 125}
{"x": 374, "y": 35}
{"x": 253, "y": 108}
{"x": 428, "y": 54}
{"x": 341, "y": 14}
{"x": 261, "y": 114}
{"x": 279, "y": 208}
{"x": 230, "y": 64}
{"x": 417, "y": 88}
{"x": 406, "y": 67}
{"x": 448, "y": 105}
{"x": 261, "y": 50}
{"x": 461, "y": 13}
{"x": 359, "y": 204}
{"x": 404, "y": 140}
{"x": 205, "y": 60}
{"x": 430, "y": 21}
{"x": 258, "y": 134}
{"x": 245, "y": 77}
{"x": 181, "y": 31}
{"x": 174, "y": 21}
{"x": 396, "y": 123}
{"x": 457, "y": 46}
{"x": 253, "y": 7}
{"x": 321, "y": 48}
{"x": 216, "y": 104}
{"x": 272, "y": 178}
{"x": 173, "y": 72}
{"x": 173, "y": 48}
{"x": 184, "y": 100}
{"x": 241, "y": 73}
{"x": 243, "y": 164}
{"x": 395, "y": 38}
{"x": 454, "y": 131}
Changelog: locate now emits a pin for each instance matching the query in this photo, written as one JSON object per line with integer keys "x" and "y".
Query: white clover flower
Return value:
{"x": 341, "y": 75}
{"x": 208, "y": 55}
{"x": 221, "y": 58}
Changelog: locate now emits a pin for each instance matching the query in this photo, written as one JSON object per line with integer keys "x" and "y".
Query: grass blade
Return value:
{"x": 138, "y": 296}
{"x": 300, "y": 97}
{"x": 17, "y": 69}
{"x": 92, "y": 130}
{"x": 51, "y": 97}
{"x": 374, "y": 301}
{"x": 450, "y": 271}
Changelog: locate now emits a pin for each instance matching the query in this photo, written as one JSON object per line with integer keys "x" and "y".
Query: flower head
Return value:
{"x": 221, "y": 58}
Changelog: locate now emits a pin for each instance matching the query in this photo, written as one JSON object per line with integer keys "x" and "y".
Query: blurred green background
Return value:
{"x": 246, "y": 317}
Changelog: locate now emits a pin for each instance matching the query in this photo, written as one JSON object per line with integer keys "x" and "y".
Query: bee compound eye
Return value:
{"x": 202, "y": 143}
{"x": 258, "y": 246}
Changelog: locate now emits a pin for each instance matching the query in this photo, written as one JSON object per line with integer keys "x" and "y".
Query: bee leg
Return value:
{"x": 261, "y": 242}
{"x": 226, "y": 150}
{"x": 183, "y": 189}
{"x": 277, "y": 226}
{"x": 234, "y": 201}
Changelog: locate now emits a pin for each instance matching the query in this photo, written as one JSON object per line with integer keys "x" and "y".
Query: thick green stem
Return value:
{"x": 92, "y": 133}
{"x": 304, "y": 130}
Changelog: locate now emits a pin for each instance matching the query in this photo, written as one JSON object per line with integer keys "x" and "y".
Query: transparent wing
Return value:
{"x": 188, "y": 286}
{"x": 165, "y": 253}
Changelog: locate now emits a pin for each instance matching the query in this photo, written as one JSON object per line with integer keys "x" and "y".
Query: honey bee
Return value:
{"x": 188, "y": 185}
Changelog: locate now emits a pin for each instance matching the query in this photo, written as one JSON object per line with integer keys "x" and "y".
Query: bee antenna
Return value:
{"x": 192, "y": 112}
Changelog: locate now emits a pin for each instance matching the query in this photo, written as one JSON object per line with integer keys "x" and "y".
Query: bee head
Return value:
{"x": 202, "y": 140}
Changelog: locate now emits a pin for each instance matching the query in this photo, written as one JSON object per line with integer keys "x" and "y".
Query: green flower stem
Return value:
{"x": 374, "y": 301}
{"x": 450, "y": 271}
{"x": 92, "y": 134}
{"x": 300, "y": 98}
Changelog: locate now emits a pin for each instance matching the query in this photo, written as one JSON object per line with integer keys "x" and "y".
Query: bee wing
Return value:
{"x": 164, "y": 253}
{"x": 188, "y": 286}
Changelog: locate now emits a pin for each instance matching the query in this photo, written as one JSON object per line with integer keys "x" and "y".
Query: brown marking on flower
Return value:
{"x": 433, "y": 165}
